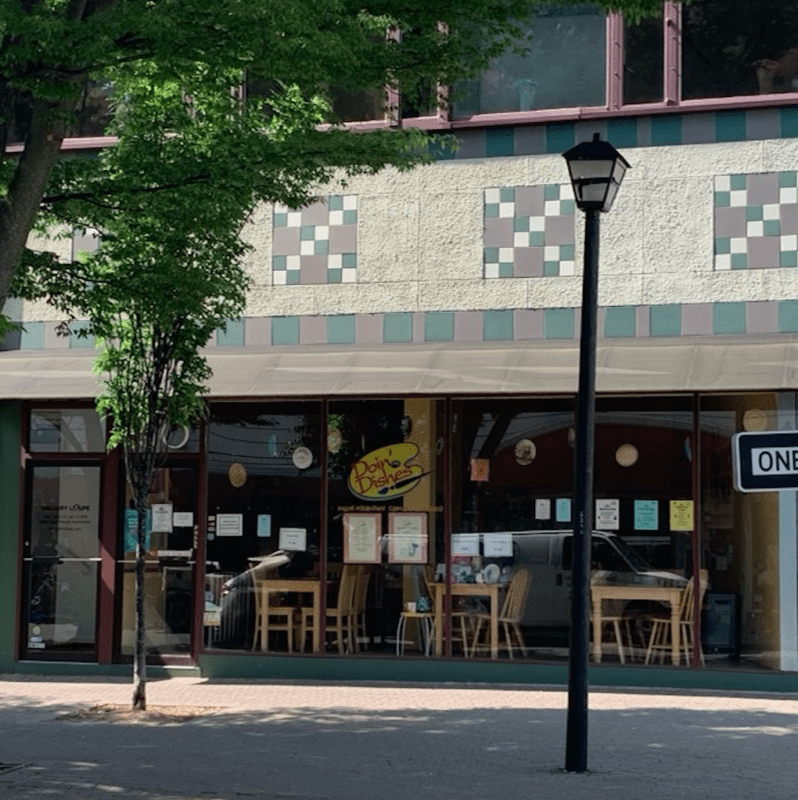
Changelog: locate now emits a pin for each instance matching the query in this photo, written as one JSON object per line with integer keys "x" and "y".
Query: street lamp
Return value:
{"x": 596, "y": 170}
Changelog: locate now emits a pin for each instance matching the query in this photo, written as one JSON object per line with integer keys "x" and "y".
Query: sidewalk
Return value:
{"x": 385, "y": 741}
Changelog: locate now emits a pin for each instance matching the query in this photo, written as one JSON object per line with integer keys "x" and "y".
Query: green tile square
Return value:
{"x": 506, "y": 269}
{"x": 622, "y": 132}
{"x": 439, "y": 326}
{"x": 788, "y": 179}
{"x": 349, "y": 260}
{"x": 280, "y": 219}
{"x": 666, "y": 129}
{"x": 722, "y": 245}
{"x": 341, "y": 329}
{"x": 32, "y": 336}
{"x": 397, "y": 327}
{"x": 739, "y": 261}
{"x": 738, "y": 182}
{"x": 551, "y": 268}
{"x": 537, "y": 238}
{"x": 285, "y": 330}
{"x": 789, "y": 122}
{"x": 499, "y": 142}
{"x": 491, "y": 210}
{"x": 334, "y": 276}
{"x": 753, "y": 213}
{"x": 772, "y": 227}
{"x": 567, "y": 208}
{"x": 788, "y": 258}
{"x": 567, "y": 252}
{"x": 336, "y": 202}
{"x": 497, "y": 326}
{"x": 292, "y": 277}
{"x": 232, "y": 335}
{"x": 521, "y": 224}
{"x": 307, "y": 233}
{"x": 728, "y": 317}
{"x": 491, "y": 255}
{"x": 507, "y": 194}
{"x": 558, "y": 323}
{"x": 722, "y": 199}
{"x": 279, "y": 262}
{"x": 320, "y": 247}
{"x": 560, "y": 136}
{"x": 620, "y": 321}
{"x": 788, "y": 316}
{"x": 78, "y": 341}
{"x": 730, "y": 126}
{"x": 666, "y": 320}
{"x": 350, "y": 216}
{"x": 551, "y": 192}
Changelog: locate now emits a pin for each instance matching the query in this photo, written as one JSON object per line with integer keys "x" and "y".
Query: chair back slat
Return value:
{"x": 515, "y": 600}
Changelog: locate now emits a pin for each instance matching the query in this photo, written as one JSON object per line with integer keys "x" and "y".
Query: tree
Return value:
{"x": 58, "y": 58}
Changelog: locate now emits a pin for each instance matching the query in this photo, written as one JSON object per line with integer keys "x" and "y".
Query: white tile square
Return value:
{"x": 335, "y": 261}
{"x": 551, "y": 208}
{"x": 336, "y": 218}
{"x": 307, "y": 248}
{"x": 322, "y": 233}
{"x": 723, "y": 261}
{"x": 279, "y": 278}
{"x": 788, "y": 194}
{"x": 521, "y": 239}
{"x": 506, "y": 254}
{"x": 294, "y": 219}
{"x": 491, "y": 270}
{"x": 566, "y": 191}
{"x": 506, "y": 210}
{"x": 551, "y": 252}
{"x": 789, "y": 242}
{"x": 292, "y": 262}
{"x": 755, "y": 228}
{"x": 739, "y": 198}
{"x": 537, "y": 224}
{"x": 349, "y": 275}
{"x": 771, "y": 211}
{"x": 723, "y": 183}
{"x": 350, "y": 202}
{"x": 492, "y": 195}
{"x": 279, "y": 208}
{"x": 567, "y": 268}
{"x": 739, "y": 245}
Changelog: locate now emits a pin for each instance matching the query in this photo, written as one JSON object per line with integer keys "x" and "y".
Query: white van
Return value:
{"x": 549, "y": 554}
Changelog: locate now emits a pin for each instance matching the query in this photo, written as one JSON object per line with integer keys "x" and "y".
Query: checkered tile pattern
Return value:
{"x": 529, "y": 231}
{"x": 316, "y": 244}
{"x": 756, "y": 221}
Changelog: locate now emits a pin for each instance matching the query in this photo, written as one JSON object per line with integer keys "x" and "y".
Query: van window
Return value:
{"x": 604, "y": 555}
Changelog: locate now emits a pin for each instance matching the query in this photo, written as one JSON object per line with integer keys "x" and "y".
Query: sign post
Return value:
{"x": 765, "y": 462}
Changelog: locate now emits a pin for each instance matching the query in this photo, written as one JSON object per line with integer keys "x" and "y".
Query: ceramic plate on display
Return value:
{"x": 302, "y": 457}
{"x": 492, "y": 573}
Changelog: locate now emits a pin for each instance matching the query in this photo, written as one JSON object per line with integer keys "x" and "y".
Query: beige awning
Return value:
{"x": 709, "y": 363}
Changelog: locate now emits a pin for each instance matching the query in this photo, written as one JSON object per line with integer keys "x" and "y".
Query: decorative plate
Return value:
{"x": 492, "y": 573}
{"x": 302, "y": 457}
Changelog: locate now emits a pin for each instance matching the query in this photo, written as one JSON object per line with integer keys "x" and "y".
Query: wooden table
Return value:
{"x": 664, "y": 594}
{"x": 489, "y": 590}
{"x": 301, "y": 586}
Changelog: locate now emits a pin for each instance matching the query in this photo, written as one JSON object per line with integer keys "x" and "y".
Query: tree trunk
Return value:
{"x": 139, "y": 651}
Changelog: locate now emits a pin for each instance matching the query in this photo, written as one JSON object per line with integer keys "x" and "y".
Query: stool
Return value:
{"x": 425, "y": 621}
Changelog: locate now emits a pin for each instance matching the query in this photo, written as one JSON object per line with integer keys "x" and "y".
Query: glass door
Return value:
{"x": 60, "y": 562}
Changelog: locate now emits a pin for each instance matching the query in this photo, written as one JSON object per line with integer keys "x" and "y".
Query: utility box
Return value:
{"x": 720, "y": 624}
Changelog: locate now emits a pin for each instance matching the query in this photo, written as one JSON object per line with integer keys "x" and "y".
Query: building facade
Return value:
{"x": 394, "y": 414}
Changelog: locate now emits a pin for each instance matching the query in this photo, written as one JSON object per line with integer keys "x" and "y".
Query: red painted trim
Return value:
{"x": 614, "y": 61}
{"x": 108, "y": 550}
{"x": 672, "y": 53}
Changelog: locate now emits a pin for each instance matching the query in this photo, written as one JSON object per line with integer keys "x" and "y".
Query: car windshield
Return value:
{"x": 631, "y": 555}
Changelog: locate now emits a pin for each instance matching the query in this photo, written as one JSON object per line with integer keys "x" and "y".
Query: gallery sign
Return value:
{"x": 765, "y": 462}
{"x": 385, "y": 472}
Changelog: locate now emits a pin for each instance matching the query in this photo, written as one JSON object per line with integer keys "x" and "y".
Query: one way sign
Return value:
{"x": 765, "y": 462}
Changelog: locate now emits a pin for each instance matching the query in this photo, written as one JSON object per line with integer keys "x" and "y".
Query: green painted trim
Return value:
{"x": 10, "y": 498}
{"x": 500, "y": 142}
{"x": 116, "y": 670}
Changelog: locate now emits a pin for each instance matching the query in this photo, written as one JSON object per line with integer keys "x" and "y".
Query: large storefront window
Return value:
{"x": 562, "y": 67}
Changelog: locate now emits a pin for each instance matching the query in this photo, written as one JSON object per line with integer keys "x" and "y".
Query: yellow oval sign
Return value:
{"x": 385, "y": 473}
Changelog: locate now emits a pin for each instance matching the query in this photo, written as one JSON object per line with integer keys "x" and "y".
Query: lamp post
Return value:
{"x": 596, "y": 170}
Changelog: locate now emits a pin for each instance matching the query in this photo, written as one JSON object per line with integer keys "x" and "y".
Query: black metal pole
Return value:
{"x": 576, "y": 733}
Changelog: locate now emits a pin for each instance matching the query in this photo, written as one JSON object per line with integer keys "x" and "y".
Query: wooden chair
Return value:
{"x": 425, "y": 620}
{"x": 510, "y": 616}
{"x": 660, "y": 638}
{"x": 359, "y": 615}
{"x": 270, "y": 618}
{"x": 340, "y": 617}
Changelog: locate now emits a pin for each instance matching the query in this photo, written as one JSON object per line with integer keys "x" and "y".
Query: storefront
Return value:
{"x": 370, "y": 531}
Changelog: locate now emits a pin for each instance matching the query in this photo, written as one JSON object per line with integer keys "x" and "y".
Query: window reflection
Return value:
{"x": 643, "y": 75}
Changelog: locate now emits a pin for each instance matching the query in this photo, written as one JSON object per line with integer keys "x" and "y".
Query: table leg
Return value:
{"x": 438, "y": 620}
{"x": 316, "y": 619}
{"x": 494, "y": 625}
{"x": 597, "y": 630}
{"x": 676, "y": 644}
